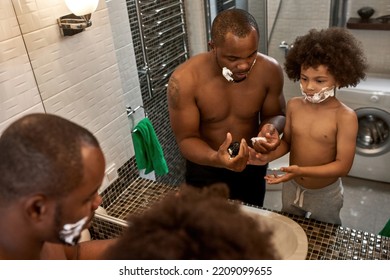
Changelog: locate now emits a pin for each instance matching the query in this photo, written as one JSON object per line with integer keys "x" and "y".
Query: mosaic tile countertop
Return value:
{"x": 325, "y": 241}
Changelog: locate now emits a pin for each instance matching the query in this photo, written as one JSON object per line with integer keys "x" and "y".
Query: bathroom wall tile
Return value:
{"x": 8, "y": 24}
{"x": 119, "y": 20}
{"x": 18, "y": 90}
{"x": 124, "y": 50}
{"x": 11, "y": 48}
{"x": 71, "y": 60}
{"x": 40, "y": 18}
{"x": 26, "y": 6}
{"x": 100, "y": 94}
{"x": 118, "y": 146}
{"x": 284, "y": 32}
{"x": 301, "y": 9}
{"x": 6, "y": 10}
{"x": 97, "y": 103}
{"x": 38, "y": 108}
{"x": 37, "y": 14}
{"x": 272, "y": 14}
{"x": 376, "y": 47}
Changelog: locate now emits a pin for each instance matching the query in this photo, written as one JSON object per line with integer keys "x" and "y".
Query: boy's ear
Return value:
{"x": 211, "y": 45}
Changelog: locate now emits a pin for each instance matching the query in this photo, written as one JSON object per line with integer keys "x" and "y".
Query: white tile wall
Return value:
{"x": 125, "y": 56}
{"x": 88, "y": 78}
{"x": 18, "y": 91}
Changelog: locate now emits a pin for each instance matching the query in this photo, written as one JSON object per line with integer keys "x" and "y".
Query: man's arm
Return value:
{"x": 274, "y": 107}
{"x": 272, "y": 114}
{"x": 185, "y": 122}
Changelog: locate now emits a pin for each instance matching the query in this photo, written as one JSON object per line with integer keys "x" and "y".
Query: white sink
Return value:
{"x": 289, "y": 237}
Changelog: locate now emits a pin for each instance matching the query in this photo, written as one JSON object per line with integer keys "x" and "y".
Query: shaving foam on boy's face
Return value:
{"x": 228, "y": 74}
{"x": 320, "y": 96}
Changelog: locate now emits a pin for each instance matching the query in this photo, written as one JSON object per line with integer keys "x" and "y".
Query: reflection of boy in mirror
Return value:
{"x": 320, "y": 131}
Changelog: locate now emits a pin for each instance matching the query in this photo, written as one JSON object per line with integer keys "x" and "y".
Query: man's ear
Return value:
{"x": 36, "y": 207}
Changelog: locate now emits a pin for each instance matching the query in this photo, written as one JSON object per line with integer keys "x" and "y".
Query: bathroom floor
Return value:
{"x": 366, "y": 203}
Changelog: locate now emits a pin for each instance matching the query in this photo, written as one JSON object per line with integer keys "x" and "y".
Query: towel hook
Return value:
{"x": 131, "y": 111}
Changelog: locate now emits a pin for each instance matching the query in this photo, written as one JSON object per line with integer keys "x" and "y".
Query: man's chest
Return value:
{"x": 229, "y": 101}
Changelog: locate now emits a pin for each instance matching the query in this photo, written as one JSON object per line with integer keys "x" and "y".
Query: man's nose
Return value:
{"x": 243, "y": 65}
{"x": 97, "y": 201}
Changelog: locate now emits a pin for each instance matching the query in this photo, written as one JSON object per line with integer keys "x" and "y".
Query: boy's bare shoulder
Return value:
{"x": 346, "y": 111}
{"x": 294, "y": 102}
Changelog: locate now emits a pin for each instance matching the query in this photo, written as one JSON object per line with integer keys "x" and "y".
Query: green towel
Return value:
{"x": 386, "y": 230}
{"x": 148, "y": 151}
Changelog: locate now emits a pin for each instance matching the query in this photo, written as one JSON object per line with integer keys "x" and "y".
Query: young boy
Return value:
{"x": 320, "y": 131}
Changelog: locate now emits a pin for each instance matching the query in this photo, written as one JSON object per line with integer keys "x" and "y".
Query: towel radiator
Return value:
{"x": 162, "y": 41}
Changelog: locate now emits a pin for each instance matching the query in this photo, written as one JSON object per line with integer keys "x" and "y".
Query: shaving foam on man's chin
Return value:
{"x": 227, "y": 73}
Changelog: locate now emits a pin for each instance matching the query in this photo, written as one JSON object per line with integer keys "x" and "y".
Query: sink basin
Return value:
{"x": 289, "y": 237}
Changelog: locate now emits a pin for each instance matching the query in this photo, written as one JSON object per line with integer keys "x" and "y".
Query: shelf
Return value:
{"x": 370, "y": 24}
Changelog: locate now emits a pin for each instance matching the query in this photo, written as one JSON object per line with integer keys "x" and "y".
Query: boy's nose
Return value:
{"x": 310, "y": 86}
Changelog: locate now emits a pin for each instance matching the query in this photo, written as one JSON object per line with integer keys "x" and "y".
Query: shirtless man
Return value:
{"x": 219, "y": 97}
{"x": 51, "y": 170}
{"x": 320, "y": 130}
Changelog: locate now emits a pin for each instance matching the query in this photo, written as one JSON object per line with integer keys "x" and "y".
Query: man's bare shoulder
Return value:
{"x": 268, "y": 63}
{"x": 269, "y": 68}
{"x": 189, "y": 75}
{"x": 192, "y": 66}
{"x": 267, "y": 59}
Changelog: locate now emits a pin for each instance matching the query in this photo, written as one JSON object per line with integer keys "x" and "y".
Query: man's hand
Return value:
{"x": 256, "y": 158}
{"x": 269, "y": 140}
{"x": 237, "y": 163}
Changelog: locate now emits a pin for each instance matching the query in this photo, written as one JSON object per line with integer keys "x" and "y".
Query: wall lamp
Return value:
{"x": 80, "y": 19}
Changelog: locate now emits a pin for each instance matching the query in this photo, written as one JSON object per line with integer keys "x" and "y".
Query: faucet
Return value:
{"x": 286, "y": 46}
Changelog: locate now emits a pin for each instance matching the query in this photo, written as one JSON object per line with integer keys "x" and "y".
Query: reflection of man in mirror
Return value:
{"x": 217, "y": 98}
